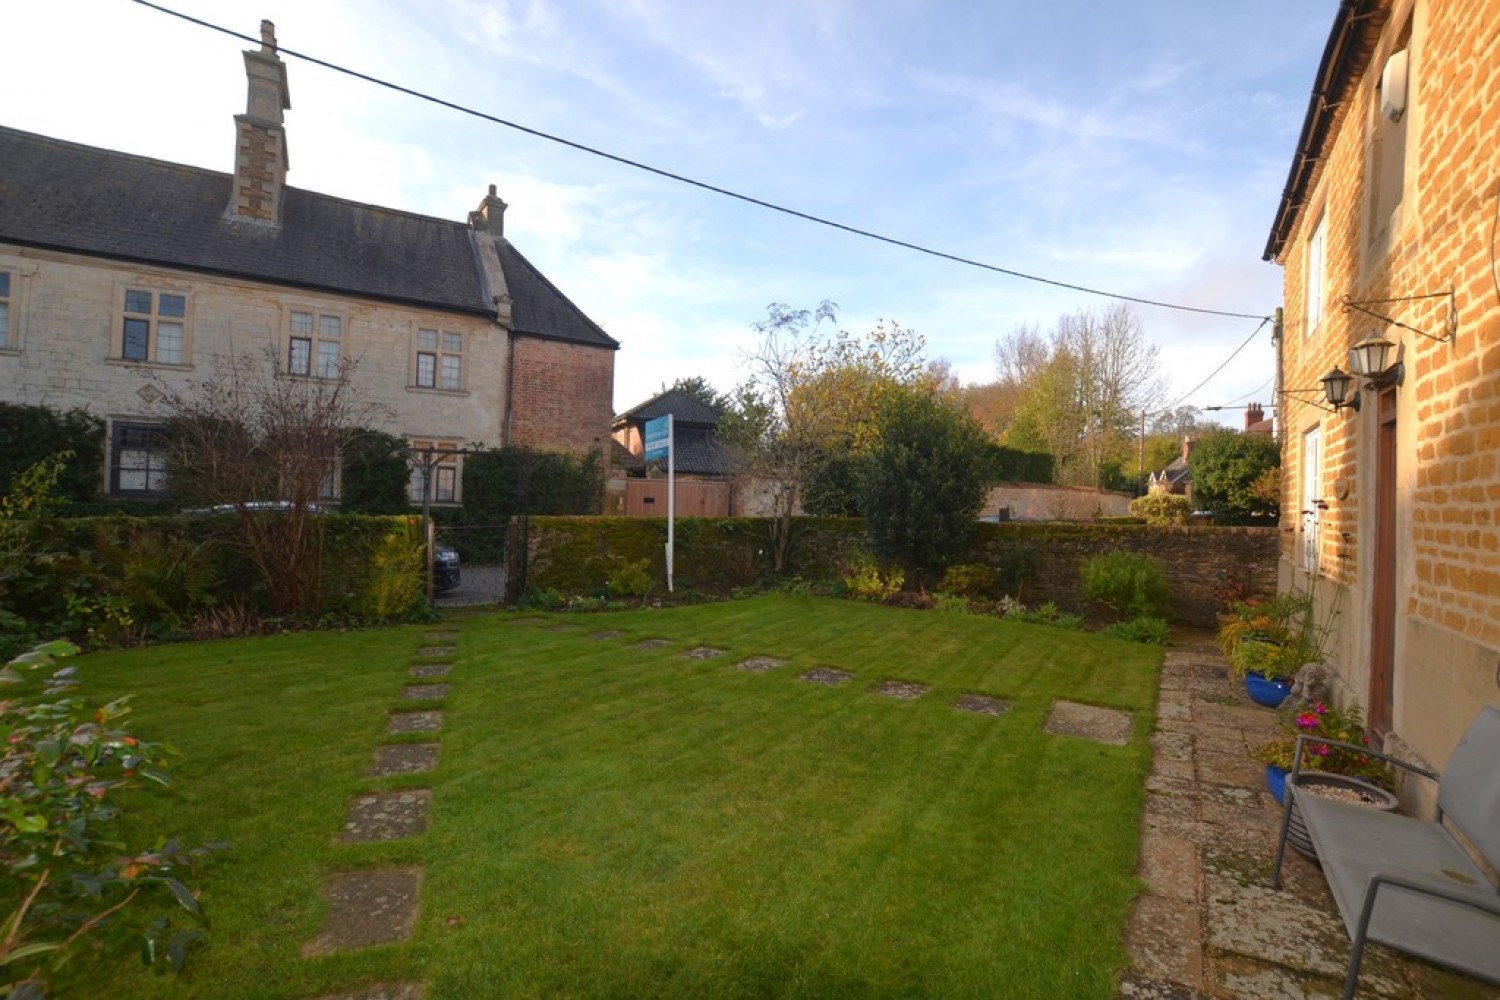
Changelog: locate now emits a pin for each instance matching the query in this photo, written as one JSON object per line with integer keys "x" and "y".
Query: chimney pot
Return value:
{"x": 490, "y": 214}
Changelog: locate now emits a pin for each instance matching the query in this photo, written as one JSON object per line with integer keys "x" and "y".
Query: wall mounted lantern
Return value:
{"x": 1339, "y": 390}
{"x": 1371, "y": 359}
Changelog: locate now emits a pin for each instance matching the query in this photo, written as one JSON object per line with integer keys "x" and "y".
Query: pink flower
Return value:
{"x": 1307, "y": 721}
{"x": 1320, "y": 708}
{"x": 1320, "y": 750}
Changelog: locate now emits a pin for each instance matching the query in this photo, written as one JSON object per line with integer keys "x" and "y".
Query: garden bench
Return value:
{"x": 1405, "y": 882}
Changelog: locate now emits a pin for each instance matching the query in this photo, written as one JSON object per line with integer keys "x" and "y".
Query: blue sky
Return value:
{"x": 1139, "y": 148}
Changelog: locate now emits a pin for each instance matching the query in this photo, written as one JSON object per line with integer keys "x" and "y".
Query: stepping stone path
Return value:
{"x": 905, "y": 690}
{"x": 415, "y": 722}
{"x": 387, "y": 816}
{"x": 982, "y": 704}
{"x": 404, "y": 758}
{"x": 424, "y": 692}
{"x": 609, "y": 633}
{"x": 827, "y": 676}
{"x": 1102, "y": 725}
{"x": 760, "y": 664}
{"x": 367, "y": 908}
{"x": 704, "y": 653}
{"x": 652, "y": 644}
{"x": 561, "y": 627}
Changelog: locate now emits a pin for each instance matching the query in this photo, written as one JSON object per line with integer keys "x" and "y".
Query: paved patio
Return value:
{"x": 1208, "y": 925}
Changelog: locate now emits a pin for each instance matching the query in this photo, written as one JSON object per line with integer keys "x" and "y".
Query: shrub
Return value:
{"x": 953, "y": 604}
{"x": 864, "y": 580}
{"x": 1129, "y": 583}
{"x": 64, "y": 764}
{"x": 1143, "y": 629}
{"x": 967, "y": 579}
{"x": 1162, "y": 509}
{"x": 632, "y": 578}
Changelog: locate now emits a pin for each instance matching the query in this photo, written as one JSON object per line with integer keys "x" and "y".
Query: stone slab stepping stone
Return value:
{"x": 982, "y": 704}
{"x": 827, "y": 676}
{"x": 609, "y": 633}
{"x": 380, "y": 991}
{"x": 905, "y": 690}
{"x": 368, "y": 908}
{"x": 561, "y": 627}
{"x": 404, "y": 758}
{"x": 415, "y": 722}
{"x": 1102, "y": 725}
{"x": 704, "y": 653}
{"x": 526, "y": 621}
{"x": 430, "y": 670}
{"x": 651, "y": 644}
{"x": 436, "y": 652}
{"x": 386, "y": 816}
{"x": 440, "y": 636}
{"x": 760, "y": 664}
{"x": 424, "y": 692}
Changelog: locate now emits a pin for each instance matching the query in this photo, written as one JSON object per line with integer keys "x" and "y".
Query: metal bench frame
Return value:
{"x": 1407, "y": 883}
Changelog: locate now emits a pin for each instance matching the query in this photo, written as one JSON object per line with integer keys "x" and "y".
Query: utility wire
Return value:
{"x": 1254, "y": 391}
{"x": 1221, "y": 367}
{"x": 805, "y": 216}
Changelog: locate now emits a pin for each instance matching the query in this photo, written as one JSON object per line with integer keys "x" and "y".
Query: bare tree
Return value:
{"x": 264, "y": 445}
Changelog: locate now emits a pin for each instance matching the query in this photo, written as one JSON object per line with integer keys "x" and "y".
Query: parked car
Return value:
{"x": 445, "y": 571}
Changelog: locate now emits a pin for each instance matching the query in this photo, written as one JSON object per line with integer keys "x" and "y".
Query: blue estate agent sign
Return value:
{"x": 658, "y": 436}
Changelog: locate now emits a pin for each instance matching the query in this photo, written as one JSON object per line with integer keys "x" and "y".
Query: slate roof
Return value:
{"x": 80, "y": 199}
{"x": 684, "y": 408}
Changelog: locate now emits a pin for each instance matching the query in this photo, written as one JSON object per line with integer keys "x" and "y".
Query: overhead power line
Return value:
{"x": 1244, "y": 344}
{"x": 703, "y": 185}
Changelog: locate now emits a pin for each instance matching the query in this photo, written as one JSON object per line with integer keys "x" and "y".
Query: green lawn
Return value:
{"x": 608, "y": 821}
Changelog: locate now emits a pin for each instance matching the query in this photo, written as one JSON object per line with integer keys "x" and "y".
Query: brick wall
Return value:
{"x": 563, "y": 395}
{"x": 1448, "y": 409}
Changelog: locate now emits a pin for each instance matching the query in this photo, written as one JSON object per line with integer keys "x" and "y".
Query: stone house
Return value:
{"x": 116, "y": 267}
{"x": 1390, "y": 364}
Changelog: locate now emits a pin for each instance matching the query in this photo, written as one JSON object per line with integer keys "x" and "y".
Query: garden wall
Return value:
{"x": 1036, "y": 562}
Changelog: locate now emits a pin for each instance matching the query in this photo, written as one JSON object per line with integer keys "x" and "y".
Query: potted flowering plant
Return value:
{"x": 1332, "y": 762}
{"x": 1267, "y": 642}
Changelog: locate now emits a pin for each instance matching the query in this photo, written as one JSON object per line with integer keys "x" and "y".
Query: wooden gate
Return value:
{"x": 695, "y": 498}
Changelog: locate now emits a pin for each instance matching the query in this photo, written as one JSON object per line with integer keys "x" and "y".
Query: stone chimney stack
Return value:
{"x": 490, "y": 215}
{"x": 1253, "y": 415}
{"x": 1187, "y": 448}
{"x": 260, "y": 157}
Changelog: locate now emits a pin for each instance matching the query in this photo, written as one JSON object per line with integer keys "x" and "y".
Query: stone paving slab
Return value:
{"x": 431, "y": 670}
{"x": 424, "y": 692}
{"x": 904, "y": 690}
{"x": 651, "y": 644}
{"x": 982, "y": 704}
{"x": 561, "y": 627}
{"x": 436, "y": 652}
{"x": 760, "y": 664}
{"x": 441, "y": 636}
{"x": 1163, "y": 937}
{"x": 367, "y": 908}
{"x": 386, "y": 816}
{"x": 827, "y": 676}
{"x": 415, "y": 722}
{"x": 1090, "y": 722}
{"x": 704, "y": 653}
{"x": 404, "y": 758}
{"x": 603, "y": 634}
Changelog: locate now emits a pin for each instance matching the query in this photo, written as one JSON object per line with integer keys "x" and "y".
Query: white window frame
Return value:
{"x": 315, "y": 341}
{"x": 447, "y": 473}
{"x": 1317, "y": 268}
{"x": 145, "y": 460}
{"x": 10, "y": 313}
{"x": 165, "y": 320}
{"x": 441, "y": 354}
{"x": 1311, "y": 497}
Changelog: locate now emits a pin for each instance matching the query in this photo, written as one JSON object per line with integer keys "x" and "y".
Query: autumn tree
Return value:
{"x": 264, "y": 445}
{"x": 811, "y": 394}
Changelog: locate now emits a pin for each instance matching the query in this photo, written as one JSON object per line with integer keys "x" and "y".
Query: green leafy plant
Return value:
{"x": 1326, "y": 722}
{"x": 1130, "y": 584}
{"x": 64, "y": 875}
{"x": 1143, "y": 628}
{"x": 967, "y": 579}
{"x": 1275, "y": 638}
{"x": 953, "y": 604}
{"x": 1162, "y": 509}
{"x": 864, "y": 579}
{"x": 631, "y": 578}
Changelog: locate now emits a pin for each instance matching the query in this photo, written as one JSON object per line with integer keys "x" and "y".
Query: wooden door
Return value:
{"x": 1383, "y": 577}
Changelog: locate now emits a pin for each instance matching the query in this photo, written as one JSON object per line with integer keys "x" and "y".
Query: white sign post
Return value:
{"x": 660, "y": 440}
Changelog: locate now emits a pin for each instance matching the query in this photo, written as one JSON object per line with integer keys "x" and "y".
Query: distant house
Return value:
{"x": 1385, "y": 233}
{"x": 113, "y": 266}
{"x": 1177, "y": 477}
{"x": 704, "y": 469}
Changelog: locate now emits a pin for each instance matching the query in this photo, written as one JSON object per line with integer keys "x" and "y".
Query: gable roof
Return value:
{"x": 68, "y": 197}
{"x": 684, "y": 409}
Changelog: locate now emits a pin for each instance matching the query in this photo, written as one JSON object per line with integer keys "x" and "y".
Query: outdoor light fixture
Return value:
{"x": 1339, "y": 389}
{"x": 1369, "y": 357}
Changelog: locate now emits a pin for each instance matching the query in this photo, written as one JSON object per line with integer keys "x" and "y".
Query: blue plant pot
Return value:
{"x": 1265, "y": 691}
{"x": 1276, "y": 782}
